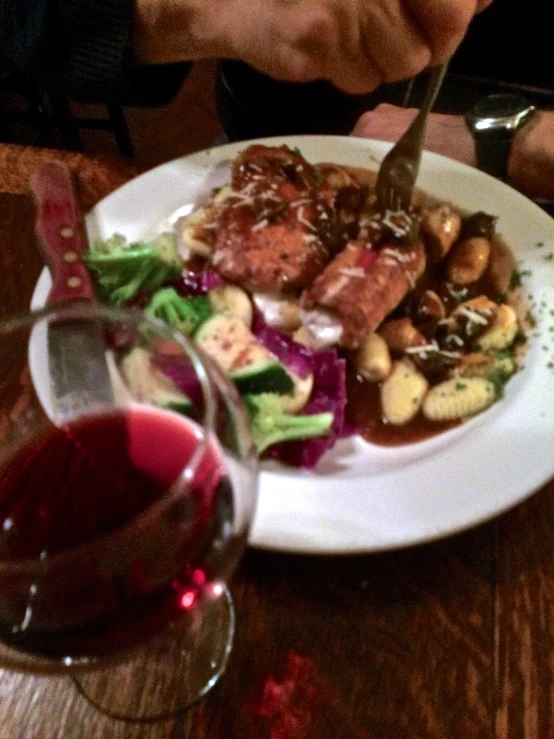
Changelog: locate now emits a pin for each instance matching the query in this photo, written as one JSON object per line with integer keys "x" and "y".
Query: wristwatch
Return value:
{"x": 493, "y": 122}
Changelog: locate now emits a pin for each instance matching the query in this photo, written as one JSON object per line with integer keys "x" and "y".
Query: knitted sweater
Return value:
{"x": 80, "y": 48}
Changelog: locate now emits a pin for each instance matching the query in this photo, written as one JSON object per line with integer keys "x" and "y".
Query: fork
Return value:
{"x": 399, "y": 169}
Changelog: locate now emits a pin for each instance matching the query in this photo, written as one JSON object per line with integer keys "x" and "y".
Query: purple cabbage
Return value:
{"x": 294, "y": 355}
{"x": 328, "y": 395}
{"x": 188, "y": 285}
{"x": 180, "y": 370}
{"x": 193, "y": 283}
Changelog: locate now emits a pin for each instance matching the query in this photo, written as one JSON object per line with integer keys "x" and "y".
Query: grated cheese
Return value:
{"x": 334, "y": 287}
{"x": 423, "y": 348}
{"x": 399, "y": 256}
{"x": 397, "y": 227}
{"x": 473, "y": 316}
{"x": 261, "y": 224}
{"x": 352, "y": 272}
{"x": 304, "y": 221}
{"x": 432, "y": 348}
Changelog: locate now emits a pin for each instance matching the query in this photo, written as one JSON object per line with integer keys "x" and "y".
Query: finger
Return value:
{"x": 357, "y": 84}
{"x": 300, "y": 48}
{"x": 366, "y": 125}
{"x": 356, "y": 75}
{"x": 290, "y": 65}
{"x": 482, "y": 4}
{"x": 351, "y": 67}
{"x": 322, "y": 46}
{"x": 390, "y": 36}
{"x": 386, "y": 122}
{"x": 443, "y": 24}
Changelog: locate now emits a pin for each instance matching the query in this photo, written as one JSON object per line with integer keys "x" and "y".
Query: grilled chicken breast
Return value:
{"x": 267, "y": 235}
{"x": 361, "y": 286}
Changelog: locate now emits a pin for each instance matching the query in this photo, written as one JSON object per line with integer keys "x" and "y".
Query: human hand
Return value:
{"x": 356, "y": 44}
{"x": 445, "y": 134}
{"x": 531, "y": 160}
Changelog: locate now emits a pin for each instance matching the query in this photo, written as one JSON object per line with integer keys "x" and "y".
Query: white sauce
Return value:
{"x": 324, "y": 328}
{"x": 272, "y": 307}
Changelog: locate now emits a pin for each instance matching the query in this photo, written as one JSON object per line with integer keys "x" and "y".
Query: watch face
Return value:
{"x": 497, "y": 113}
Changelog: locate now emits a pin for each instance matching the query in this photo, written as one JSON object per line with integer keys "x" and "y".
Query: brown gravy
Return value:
{"x": 363, "y": 411}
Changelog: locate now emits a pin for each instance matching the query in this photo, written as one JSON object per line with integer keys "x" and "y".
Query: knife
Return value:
{"x": 79, "y": 374}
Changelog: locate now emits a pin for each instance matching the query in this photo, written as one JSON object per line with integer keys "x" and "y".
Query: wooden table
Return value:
{"x": 451, "y": 640}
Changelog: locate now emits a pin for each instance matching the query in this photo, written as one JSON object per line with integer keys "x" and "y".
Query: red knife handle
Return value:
{"x": 60, "y": 232}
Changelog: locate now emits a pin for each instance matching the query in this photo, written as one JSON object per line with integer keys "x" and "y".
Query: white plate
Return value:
{"x": 366, "y": 498}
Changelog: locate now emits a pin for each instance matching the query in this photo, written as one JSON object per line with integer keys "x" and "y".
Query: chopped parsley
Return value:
{"x": 515, "y": 279}
{"x": 498, "y": 380}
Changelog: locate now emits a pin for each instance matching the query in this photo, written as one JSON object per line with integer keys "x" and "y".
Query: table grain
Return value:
{"x": 449, "y": 640}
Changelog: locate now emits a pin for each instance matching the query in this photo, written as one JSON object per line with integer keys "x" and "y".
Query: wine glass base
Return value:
{"x": 172, "y": 673}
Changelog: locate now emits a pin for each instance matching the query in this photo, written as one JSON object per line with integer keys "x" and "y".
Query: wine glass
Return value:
{"x": 128, "y": 481}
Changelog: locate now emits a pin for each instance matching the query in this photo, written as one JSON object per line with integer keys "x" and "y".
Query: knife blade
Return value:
{"x": 77, "y": 364}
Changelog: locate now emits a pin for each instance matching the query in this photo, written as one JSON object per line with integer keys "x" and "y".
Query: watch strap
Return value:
{"x": 492, "y": 154}
{"x": 493, "y": 122}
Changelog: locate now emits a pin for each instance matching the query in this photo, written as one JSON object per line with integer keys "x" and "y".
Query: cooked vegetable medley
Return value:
{"x": 331, "y": 317}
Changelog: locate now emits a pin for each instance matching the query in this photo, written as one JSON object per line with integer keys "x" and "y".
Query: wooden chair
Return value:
{"x": 31, "y": 115}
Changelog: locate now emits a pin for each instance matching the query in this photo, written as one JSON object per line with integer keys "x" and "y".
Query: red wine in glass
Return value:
{"x": 106, "y": 526}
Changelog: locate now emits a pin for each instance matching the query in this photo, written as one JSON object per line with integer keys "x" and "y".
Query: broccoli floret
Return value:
{"x": 271, "y": 424}
{"x": 165, "y": 245}
{"x": 106, "y": 246}
{"x": 184, "y": 314}
{"x": 122, "y": 270}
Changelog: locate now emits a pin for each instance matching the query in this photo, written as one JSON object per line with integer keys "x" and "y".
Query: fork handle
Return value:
{"x": 433, "y": 86}
{"x": 417, "y": 127}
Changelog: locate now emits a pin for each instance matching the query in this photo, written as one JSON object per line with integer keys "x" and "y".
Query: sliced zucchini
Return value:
{"x": 149, "y": 385}
{"x": 232, "y": 300}
{"x": 231, "y": 344}
{"x": 299, "y": 396}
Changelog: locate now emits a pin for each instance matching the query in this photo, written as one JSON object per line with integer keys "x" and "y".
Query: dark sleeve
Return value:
{"x": 80, "y": 48}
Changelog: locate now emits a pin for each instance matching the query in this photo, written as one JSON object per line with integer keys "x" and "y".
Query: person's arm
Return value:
{"x": 81, "y": 48}
{"x": 95, "y": 48}
{"x": 531, "y": 162}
